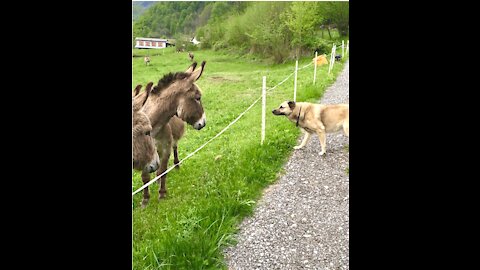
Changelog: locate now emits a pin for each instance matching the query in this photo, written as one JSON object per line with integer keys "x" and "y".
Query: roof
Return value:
{"x": 152, "y": 39}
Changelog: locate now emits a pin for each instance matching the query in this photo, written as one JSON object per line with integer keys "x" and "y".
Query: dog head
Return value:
{"x": 286, "y": 108}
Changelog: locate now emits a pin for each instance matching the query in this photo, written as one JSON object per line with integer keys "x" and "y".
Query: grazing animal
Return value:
{"x": 145, "y": 157}
{"x": 338, "y": 57}
{"x": 146, "y": 59}
{"x": 316, "y": 118}
{"x": 176, "y": 94}
{"x": 190, "y": 55}
{"x": 142, "y": 123}
{"x": 321, "y": 60}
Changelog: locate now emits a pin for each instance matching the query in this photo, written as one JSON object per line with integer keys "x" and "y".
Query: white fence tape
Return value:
{"x": 198, "y": 149}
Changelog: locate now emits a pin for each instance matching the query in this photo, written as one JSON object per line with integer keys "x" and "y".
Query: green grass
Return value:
{"x": 208, "y": 197}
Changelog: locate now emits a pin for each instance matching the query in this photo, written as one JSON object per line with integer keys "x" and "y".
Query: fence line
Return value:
{"x": 223, "y": 130}
{"x": 198, "y": 149}
{"x": 290, "y": 75}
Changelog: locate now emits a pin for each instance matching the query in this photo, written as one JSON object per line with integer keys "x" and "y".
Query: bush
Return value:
{"x": 191, "y": 47}
{"x": 322, "y": 46}
{"x": 219, "y": 45}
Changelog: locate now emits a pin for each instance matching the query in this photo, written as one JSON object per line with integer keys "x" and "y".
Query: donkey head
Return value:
{"x": 190, "y": 107}
{"x": 145, "y": 156}
{"x": 179, "y": 95}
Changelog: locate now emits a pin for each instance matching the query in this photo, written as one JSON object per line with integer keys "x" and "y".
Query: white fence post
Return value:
{"x": 315, "y": 69}
{"x": 330, "y": 63}
{"x": 343, "y": 49}
{"x": 334, "y": 53}
{"x": 332, "y": 58}
{"x": 264, "y": 104}
{"x": 295, "y": 85}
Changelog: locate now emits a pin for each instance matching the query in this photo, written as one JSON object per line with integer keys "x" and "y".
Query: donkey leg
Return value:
{"x": 175, "y": 157}
{"x": 146, "y": 194}
{"x": 162, "y": 191}
{"x": 163, "y": 167}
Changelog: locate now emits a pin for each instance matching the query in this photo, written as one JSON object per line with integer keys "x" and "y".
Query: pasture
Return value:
{"x": 213, "y": 190}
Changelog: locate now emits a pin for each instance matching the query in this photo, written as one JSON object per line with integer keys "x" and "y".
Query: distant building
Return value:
{"x": 151, "y": 43}
{"x": 195, "y": 41}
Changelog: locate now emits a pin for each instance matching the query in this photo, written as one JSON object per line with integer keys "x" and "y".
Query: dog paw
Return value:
{"x": 322, "y": 153}
{"x": 297, "y": 147}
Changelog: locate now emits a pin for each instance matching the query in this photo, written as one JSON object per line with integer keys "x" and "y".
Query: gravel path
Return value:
{"x": 302, "y": 222}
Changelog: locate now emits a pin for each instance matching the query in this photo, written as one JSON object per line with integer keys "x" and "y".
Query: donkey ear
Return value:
{"x": 148, "y": 87}
{"x": 291, "y": 104}
{"x": 197, "y": 73}
{"x": 191, "y": 68}
{"x": 137, "y": 89}
{"x": 139, "y": 100}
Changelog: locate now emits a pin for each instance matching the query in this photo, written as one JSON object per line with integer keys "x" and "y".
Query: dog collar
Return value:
{"x": 298, "y": 117}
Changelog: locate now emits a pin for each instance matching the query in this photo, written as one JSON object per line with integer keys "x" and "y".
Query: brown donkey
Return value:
{"x": 176, "y": 94}
{"x": 140, "y": 144}
{"x": 145, "y": 156}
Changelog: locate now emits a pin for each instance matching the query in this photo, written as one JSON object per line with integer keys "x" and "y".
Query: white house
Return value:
{"x": 195, "y": 41}
{"x": 150, "y": 43}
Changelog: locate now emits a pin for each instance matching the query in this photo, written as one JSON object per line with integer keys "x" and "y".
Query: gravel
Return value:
{"x": 302, "y": 221}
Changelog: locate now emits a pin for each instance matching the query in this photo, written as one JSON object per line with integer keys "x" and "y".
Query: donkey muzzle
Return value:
{"x": 200, "y": 123}
{"x": 152, "y": 167}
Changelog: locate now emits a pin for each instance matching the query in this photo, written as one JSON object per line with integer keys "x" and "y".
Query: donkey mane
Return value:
{"x": 168, "y": 79}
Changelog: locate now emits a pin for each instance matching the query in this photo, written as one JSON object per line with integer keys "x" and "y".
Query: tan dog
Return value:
{"x": 315, "y": 118}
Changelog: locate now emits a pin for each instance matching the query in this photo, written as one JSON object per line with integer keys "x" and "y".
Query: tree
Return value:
{"x": 336, "y": 13}
{"x": 302, "y": 19}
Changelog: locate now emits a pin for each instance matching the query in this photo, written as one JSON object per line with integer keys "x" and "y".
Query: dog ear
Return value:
{"x": 291, "y": 104}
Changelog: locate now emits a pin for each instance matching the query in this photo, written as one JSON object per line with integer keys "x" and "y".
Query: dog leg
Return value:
{"x": 346, "y": 128}
{"x": 323, "y": 141}
{"x": 306, "y": 138}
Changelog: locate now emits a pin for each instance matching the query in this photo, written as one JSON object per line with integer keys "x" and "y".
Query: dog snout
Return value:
{"x": 276, "y": 112}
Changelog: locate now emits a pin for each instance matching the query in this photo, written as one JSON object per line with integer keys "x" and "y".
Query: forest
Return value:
{"x": 278, "y": 31}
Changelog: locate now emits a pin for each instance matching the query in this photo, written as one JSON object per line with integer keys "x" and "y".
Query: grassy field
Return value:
{"x": 215, "y": 189}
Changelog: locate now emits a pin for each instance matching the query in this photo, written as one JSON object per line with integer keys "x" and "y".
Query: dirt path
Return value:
{"x": 302, "y": 221}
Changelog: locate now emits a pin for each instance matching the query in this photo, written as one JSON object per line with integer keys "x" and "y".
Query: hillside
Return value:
{"x": 275, "y": 30}
{"x": 167, "y": 19}
{"x": 139, "y": 7}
